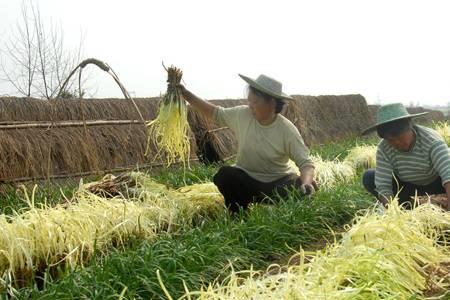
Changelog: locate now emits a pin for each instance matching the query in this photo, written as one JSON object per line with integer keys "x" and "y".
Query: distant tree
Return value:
{"x": 35, "y": 60}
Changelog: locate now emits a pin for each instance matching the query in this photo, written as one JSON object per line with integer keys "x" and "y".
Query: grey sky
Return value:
{"x": 386, "y": 50}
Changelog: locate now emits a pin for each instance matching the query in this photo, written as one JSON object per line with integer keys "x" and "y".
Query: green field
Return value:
{"x": 194, "y": 255}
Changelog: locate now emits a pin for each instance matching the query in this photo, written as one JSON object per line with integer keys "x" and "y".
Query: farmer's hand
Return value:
{"x": 307, "y": 184}
{"x": 204, "y": 107}
{"x": 307, "y": 188}
{"x": 184, "y": 91}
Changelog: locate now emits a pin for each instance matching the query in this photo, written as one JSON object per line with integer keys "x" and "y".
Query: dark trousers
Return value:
{"x": 407, "y": 190}
{"x": 239, "y": 189}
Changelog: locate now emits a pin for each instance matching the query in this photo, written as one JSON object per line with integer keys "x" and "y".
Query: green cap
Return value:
{"x": 391, "y": 112}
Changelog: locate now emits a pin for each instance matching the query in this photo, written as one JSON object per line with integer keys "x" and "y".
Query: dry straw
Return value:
{"x": 42, "y": 153}
{"x": 321, "y": 119}
{"x": 30, "y": 109}
{"x": 46, "y": 152}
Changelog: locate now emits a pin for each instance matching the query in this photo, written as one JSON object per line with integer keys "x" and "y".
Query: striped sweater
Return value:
{"x": 424, "y": 163}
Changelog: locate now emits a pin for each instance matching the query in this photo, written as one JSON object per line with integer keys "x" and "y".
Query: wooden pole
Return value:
{"x": 48, "y": 125}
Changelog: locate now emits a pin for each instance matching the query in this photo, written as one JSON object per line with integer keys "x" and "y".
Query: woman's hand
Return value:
{"x": 307, "y": 184}
{"x": 308, "y": 188}
{"x": 184, "y": 91}
{"x": 204, "y": 107}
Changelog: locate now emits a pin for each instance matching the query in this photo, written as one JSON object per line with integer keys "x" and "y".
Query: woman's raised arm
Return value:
{"x": 204, "y": 107}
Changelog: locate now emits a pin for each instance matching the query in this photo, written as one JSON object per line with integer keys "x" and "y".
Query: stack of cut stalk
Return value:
{"x": 363, "y": 156}
{"x": 328, "y": 173}
{"x": 66, "y": 235}
{"x": 169, "y": 132}
{"x": 397, "y": 255}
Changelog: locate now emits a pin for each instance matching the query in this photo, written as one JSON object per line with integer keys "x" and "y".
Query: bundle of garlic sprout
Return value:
{"x": 169, "y": 132}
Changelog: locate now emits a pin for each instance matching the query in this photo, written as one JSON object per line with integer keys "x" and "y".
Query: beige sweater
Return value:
{"x": 264, "y": 150}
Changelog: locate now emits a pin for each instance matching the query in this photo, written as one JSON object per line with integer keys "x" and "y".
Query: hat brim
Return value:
{"x": 373, "y": 127}
{"x": 254, "y": 84}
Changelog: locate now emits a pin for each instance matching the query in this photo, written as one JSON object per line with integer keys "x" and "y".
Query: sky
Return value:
{"x": 386, "y": 50}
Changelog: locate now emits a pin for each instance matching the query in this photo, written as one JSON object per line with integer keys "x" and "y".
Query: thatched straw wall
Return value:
{"x": 209, "y": 147}
{"x": 43, "y": 152}
{"x": 433, "y": 115}
{"x": 54, "y": 151}
{"x": 40, "y": 152}
{"x": 373, "y": 109}
{"x": 321, "y": 119}
{"x": 30, "y": 109}
{"x": 220, "y": 139}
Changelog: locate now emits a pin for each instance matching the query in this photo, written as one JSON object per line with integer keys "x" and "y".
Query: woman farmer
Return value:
{"x": 410, "y": 158}
{"x": 266, "y": 142}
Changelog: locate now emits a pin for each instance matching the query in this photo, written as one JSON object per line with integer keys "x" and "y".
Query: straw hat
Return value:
{"x": 391, "y": 112}
{"x": 267, "y": 85}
